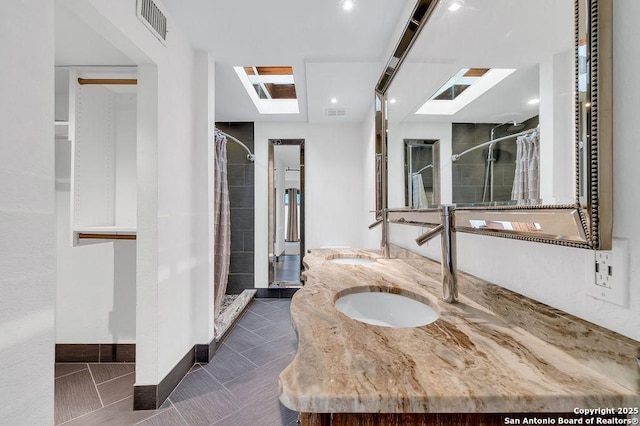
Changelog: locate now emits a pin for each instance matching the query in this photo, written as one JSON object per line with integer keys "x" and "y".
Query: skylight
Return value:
{"x": 462, "y": 89}
{"x": 272, "y": 89}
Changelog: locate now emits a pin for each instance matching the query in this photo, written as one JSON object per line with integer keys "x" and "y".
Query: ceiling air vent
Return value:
{"x": 336, "y": 112}
{"x": 153, "y": 18}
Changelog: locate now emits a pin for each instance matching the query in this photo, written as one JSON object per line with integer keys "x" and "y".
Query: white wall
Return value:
{"x": 334, "y": 197}
{"x": 95, "y": 285}
{"x": 175, "y": 107}
{"x": 558, "y": 276}
{"x": 27, "y": 213}
{"x": 372, "y": 238}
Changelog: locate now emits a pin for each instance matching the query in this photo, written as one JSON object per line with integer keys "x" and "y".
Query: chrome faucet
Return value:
{"x": 448, "y": 244}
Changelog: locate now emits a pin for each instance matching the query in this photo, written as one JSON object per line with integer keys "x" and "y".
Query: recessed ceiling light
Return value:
{"x": 347, "y": 4}
{"x": 393, "y": 101}
{"x": 455, "y": 6}
{"x": 533, "y": 101}
{"x": 588, "y": 104}
{"x": 334, "y": 100}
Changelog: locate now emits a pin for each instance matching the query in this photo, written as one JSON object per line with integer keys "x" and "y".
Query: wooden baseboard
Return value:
{"x": 204, "y": 353}
{"x": 95, "y": 352}
{"x": 151, "y": 397}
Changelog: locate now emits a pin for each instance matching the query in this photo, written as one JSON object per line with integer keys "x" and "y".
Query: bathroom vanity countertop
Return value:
{"x": 494, "y": 351}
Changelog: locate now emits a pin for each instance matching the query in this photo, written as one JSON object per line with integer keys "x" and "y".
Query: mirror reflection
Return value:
{"x": 422, "y": 183}
{"x": 493, "y": 82}
{"x": 286, "y": 212}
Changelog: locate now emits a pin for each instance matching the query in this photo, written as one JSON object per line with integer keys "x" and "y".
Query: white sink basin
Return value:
{"x": 386, "y": 309}
{"x": 351, "y": 260}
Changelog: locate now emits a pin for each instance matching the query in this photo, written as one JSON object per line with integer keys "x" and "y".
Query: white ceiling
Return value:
{"x": 341, "y": 54}
{"x": 333, "y": 53}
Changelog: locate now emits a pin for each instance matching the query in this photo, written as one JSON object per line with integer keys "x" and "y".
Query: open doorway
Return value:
{"x": 286, "y": 212}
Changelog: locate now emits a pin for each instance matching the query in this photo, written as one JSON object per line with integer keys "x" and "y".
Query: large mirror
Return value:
{"x": 516, "y": 95}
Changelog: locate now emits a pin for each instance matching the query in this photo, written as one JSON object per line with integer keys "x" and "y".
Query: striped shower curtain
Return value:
{"x": 526, "y": 181}
{"x": 222, "y": 243}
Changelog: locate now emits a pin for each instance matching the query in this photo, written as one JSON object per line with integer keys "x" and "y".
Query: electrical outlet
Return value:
{"x": 604, "y": 269}
{"x": 611, "y": 280}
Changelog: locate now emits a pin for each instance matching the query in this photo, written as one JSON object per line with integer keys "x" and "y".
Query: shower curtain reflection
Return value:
{"x": 526, "y": 181}
{"x": 291, "y": 203}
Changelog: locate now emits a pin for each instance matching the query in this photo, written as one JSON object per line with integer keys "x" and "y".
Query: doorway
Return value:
{"x": 286, "y": 212}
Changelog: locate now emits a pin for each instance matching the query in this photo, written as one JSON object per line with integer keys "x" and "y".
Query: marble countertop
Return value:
{"x": 494, "y": 351}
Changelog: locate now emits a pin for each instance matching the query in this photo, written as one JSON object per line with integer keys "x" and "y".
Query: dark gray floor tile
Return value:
{"x": 261, "y": 383}
{"x": 75, "y": 395}
{"x": 107, "y": 371}
{"x": 262, "y": 308}
{"x": 201, "y": 400}
{"x": 252, "y": 321}
{"x": 62, "y": 369}
{"x": 169, "y": 417}
{"x": 242, "y": 339}
{"x": 282, "y": 303}
{"x": 228, "y": 364}
{"x": 265, "y": 411}
{"x": 120, "y": 413}
{"x": 276, "y": 330}
{"x": 272, "y": 350}
{"x": 280, "y": 315}
{"x": 117, "y": 389}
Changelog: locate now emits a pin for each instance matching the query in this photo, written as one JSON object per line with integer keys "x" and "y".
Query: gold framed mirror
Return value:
{"x": 518, "y": 93}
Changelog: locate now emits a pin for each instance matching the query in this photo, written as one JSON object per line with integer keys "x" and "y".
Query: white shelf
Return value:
{"x": 117, "y": 230}
{"x": 62, "y": 130}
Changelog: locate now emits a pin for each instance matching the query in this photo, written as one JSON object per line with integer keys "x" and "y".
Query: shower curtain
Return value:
{"x": 418, "y": 196}
{"x": 526, "y": 181}
{"x": 292, "y": 215}
{"x": 222, "y": 243}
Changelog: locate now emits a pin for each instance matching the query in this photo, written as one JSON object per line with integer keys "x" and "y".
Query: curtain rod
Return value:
{"x": 250, "y": 156}
{"x": 107, "y": 236}
{"x": 122, "y": 81}
{"x": 422, "y": 169}
{"x": 455, "y": 157}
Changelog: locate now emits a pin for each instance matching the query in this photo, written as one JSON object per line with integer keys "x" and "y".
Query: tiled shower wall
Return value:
{"x": 240, "y": 172}
{"x": 468, "y": 173}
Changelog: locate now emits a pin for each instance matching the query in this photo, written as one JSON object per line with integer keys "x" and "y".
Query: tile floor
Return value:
{"x": 287, "y": 270}
{"x": 238, "y": 387}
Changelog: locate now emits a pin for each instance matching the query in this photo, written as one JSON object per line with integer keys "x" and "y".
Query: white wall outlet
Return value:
{"x": 610, "y": 278}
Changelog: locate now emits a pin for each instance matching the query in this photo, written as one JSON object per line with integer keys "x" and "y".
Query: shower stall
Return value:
{"x": 484, "y": 166}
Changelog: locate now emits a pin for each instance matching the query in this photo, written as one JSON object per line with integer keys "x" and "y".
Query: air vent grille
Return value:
{"x": 336, "y": 112}
{"x": 153, "y": 18}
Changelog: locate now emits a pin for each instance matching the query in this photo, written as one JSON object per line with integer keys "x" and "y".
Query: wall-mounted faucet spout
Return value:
{"x": 448, "y": 244}
{"x": 376, "y": 223}
{"x": 429, "y": 235}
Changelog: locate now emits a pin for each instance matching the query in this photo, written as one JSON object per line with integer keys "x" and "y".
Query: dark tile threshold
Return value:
{"x": 275, "y": 293}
